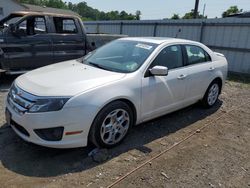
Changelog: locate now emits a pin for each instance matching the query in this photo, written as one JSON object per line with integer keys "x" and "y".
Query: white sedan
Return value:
{"x": 99, "y": 97}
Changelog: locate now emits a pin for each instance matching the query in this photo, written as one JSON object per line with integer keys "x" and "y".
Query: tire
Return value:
{"x": 211, "y": 96}
{"x": 111, "y": 125}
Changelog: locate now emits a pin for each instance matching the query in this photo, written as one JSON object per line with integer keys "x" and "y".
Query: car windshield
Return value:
{"x": 123, "y": 56}
{"x": 12, "y": 18}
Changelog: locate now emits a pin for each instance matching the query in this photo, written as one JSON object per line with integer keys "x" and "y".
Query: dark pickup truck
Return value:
{"x": 29, "y": 40}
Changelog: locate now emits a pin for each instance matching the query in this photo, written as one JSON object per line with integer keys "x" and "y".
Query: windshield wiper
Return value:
{"x": 98, "y": 66}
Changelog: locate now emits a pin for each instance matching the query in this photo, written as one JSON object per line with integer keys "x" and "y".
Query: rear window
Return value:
{"x": 65, "y": 25}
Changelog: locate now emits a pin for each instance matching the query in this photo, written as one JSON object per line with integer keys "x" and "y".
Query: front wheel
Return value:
{"x": 111, "y": 125}
{"x": 211, "y": 95}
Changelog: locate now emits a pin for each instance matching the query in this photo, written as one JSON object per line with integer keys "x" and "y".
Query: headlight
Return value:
{"x": 47, "y": 105}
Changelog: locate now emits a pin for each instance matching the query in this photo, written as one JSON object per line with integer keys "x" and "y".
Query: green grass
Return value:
{"x": 242, "y": 78}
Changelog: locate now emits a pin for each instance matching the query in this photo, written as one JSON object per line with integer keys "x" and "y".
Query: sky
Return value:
{"x": 159, "y": 9}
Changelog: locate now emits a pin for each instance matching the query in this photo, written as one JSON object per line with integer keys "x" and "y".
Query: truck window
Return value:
{"x": 32, "y": 26}
{"x": 12, "y": 18}
{"x": 40, "y": 25}
{"x": 65, "y": 25}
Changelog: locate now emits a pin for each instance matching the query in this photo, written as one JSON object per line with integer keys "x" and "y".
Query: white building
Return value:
{"x": 9, "y": 6}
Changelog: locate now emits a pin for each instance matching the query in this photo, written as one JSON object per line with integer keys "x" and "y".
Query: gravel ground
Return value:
{"x": 216, "y": 156}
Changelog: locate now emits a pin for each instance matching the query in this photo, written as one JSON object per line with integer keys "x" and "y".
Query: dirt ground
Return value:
{"x": 217, "y": 155}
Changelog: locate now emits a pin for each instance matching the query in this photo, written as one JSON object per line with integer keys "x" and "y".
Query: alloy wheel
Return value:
{"x": 115, "y": 126}
{"x": 213, "y": 94}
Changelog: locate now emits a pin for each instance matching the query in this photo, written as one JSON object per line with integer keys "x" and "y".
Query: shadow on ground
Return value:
{"x": 35, "y": 161}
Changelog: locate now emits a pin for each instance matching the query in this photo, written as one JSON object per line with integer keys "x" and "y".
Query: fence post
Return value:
{"x": 201, "y": 31}
{"x": 97, "y": 28}
{"x": 155, "y": 29}
{"x": 121, "y": 28}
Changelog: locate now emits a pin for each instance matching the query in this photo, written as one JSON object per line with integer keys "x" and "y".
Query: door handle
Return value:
{"x": 211, "y": 68}
{"x": 182, "y": 77}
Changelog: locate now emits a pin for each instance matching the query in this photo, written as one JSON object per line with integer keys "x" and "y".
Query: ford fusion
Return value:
{"x": 99, "y": 97}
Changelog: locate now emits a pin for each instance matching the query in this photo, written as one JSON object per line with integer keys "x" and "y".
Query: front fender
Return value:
{"x": 101, "y": 96}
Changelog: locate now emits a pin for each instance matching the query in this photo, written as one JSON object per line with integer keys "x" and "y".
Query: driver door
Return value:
{"x": 31, "y": 46}
{"x": 163, "y": 94}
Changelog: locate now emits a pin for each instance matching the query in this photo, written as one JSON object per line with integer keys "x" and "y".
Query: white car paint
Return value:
{"x": 65, "y": 79}
{"x": 92, "y": 88}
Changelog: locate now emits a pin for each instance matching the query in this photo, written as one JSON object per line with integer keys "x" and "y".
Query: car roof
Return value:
{"x": 156, "y": 40}
{"x": 24, "y": 13}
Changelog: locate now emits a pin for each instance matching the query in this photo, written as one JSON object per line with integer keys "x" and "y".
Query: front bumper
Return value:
{"x": 72, "y": 119}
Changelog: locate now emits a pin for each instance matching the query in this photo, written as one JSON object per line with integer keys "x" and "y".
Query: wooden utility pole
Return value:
{"x": 196, "y": 8}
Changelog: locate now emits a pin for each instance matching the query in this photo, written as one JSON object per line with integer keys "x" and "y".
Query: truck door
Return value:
{"x": 68, "y": 39}
{"x": 30, "y": 46}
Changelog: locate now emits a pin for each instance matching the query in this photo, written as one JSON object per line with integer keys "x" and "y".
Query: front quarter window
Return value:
{"x": 121, "y": 55}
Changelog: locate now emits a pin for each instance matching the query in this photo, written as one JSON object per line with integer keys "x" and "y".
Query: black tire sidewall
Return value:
{"x": 205, "y": 98}
{"x": 95, "y": 136}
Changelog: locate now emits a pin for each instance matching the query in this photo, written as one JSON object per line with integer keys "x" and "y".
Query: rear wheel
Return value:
{"x": 211, "y": 95}
{"x": 111, "y": 125}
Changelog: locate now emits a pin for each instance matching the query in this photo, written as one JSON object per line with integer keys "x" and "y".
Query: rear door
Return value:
{"x": 68, "y": 39}
{"x": 200, "y": 69}
{"x": 31, "y": 46}
{"x": 162, "y": 94}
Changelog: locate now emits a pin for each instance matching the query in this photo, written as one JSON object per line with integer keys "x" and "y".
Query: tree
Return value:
{"x": 85, "y": 11}
{"x": 175, "y": 17}
{"x": 125, "y": 16}
{"x": 231, "y": 10}
{"x": 33, "y": 2}
{"x": 190, "y": 15}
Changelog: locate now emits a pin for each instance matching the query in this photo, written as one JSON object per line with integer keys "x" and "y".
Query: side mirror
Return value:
{"x": 13, "y": 28}
{"x": 16, "y": 31}
{"x": 93, "y": 45}
{"x": 159, "y": 71}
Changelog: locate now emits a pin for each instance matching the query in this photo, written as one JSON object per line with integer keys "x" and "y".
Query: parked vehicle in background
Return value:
{"x": 98, "y": 98}
{"x": 30, "y": 40}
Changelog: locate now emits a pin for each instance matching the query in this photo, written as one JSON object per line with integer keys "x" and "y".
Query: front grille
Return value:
{"x": 19, "y": 100}
{"x": 20, "y": 128}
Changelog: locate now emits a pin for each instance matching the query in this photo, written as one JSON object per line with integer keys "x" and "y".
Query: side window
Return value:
{"x": 170, "y": 57}
{"x": 65, "y": 25}
{"x": 40, "y": 25}
{"x": 196, "y": 55}
{"x": 32, "y": 26}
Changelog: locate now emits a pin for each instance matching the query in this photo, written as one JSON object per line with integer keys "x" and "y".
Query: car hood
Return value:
{"x": 65, "y": 79}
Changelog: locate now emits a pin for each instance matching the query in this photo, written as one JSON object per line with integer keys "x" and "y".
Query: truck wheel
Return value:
{"x": 111, "y": 125}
